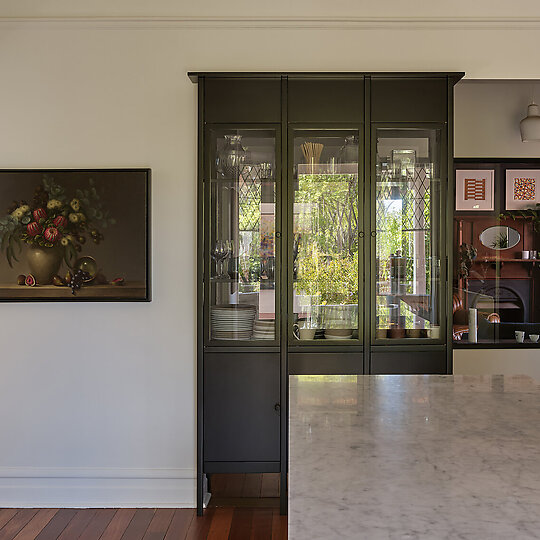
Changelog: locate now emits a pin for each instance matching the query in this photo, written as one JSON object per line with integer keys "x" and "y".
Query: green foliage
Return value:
{"x": 332, "y": 280}
{"x": 91, "y": 201}
{"x": 529, "y": 214}
{"x": 10, "y": 235}
{"x": 333, "y": 215}
{"x": 500, "y": 242}
{"x": 467, "y": 254}
{"x": 328, "y": 249}
{"x": 55, "y": 191}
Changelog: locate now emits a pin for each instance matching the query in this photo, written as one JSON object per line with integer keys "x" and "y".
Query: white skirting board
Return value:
{"x": 27, "y": 487}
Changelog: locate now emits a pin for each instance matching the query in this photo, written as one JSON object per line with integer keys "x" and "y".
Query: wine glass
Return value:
{"x": 222, "y": 250}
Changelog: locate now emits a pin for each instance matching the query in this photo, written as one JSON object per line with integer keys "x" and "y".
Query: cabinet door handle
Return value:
{"x": 374, "y": 233}
{"x": 278, "y": 234}
{"x": 361, "y": 234}
{"x": 277, "y": 408}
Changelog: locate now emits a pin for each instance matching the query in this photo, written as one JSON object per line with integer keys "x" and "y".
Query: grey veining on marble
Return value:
{"x": 414, "y": 457}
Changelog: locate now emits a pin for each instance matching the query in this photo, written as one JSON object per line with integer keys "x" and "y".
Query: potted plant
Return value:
{"x": 529, "y": 214}
{"x": 467, "y": 254}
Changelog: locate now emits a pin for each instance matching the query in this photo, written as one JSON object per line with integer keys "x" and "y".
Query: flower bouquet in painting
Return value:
{"x": 53, "y": 226}
{"x": 74, "y": 234}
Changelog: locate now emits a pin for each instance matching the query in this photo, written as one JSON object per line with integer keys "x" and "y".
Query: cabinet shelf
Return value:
{"x": 495, "y": 260}
{"x": 327, "y": 169}
{"x": 230, "y": 182}
{"x": 231, "y": 280}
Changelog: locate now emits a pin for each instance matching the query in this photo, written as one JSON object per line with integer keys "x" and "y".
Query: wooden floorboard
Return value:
{"x": 77, "y": 525}
{"x": 244, "y": 502}
{"x": 118, "y": 525}
{"x": 97, "y": 526}
{"x": 262, "y": 525}
{"x": 241, "y": 524}
{"x": 58, "y": 523}
{"x": 279, "y": 526}
{"x": 16, "y": 523}
{"x": 270, "y": 485}
{"x": 36, "y": 524}
{"x": 244, "y": 485}
{"x": 180, "y": 523}
{"x": 5, "y": 515}
{"x": 234, "y": 485}
{"x": 138, "y": 525}
{"x": 252, "y": 485}
{"x": 222, "y": 523}
{"x": 159, "y": 525}
{"x": 200, "y": 525}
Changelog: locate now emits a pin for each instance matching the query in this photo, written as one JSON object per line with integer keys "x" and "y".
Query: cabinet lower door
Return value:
{"x": 241, "y": 412}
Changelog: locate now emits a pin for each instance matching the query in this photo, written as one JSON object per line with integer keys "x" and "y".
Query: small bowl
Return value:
{"x": 397, "y": 333}
{"x": 89, "y": 265}
{"x": 534, "y": 337}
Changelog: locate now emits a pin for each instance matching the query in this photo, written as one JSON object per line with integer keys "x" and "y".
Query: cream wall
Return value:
{"x": 497, "y": 362}
{"x": 413, "y": 9}
{"x": 487, "y": 116}
{"x": 97, "y": 401}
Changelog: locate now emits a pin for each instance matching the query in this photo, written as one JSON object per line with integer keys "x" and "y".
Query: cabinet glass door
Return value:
{"x": 241, "y": 219}
{"x": 325, "y": 221}
{"x": 408, "y": 285}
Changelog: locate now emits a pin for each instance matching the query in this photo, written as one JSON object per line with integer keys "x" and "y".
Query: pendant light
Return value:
{"x": 530, "y": 125}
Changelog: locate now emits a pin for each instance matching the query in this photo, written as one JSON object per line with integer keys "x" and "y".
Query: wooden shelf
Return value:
{"x": 133, "y": 289}
{"x": 495, "y": 260}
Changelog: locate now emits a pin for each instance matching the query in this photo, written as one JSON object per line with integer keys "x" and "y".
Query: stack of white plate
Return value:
{"x": 264, "y": 329}
{"x": 232, "y": 321}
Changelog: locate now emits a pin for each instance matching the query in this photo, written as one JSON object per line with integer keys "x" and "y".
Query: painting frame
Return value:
{"x": 475, "y": 190}
{"x": 529, "y": 188}
{"x": 115, "y": 287}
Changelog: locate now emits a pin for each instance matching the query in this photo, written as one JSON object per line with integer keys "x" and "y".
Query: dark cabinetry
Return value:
{"x": 241, "y": 412}
{"x": 323, "y": 206}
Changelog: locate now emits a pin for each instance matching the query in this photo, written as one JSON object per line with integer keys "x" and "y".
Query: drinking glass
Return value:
{"x": 222, "y": 250}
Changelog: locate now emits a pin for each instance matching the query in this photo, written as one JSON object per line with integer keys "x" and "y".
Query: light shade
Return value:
{"x": 530, "y": 125}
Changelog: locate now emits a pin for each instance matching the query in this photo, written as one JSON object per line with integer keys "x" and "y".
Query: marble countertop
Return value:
{"x": 414, "y": 457}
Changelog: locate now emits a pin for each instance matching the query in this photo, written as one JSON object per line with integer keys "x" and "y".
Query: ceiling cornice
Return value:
{"x": 344, "y": 23}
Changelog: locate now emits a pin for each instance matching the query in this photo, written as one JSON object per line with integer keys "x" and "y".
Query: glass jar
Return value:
{"x": 348, "y": 153}
{"x": 230, "y": 159}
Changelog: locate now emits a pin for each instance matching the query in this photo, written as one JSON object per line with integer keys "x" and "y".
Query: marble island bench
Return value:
{"x": 414, "y": 457}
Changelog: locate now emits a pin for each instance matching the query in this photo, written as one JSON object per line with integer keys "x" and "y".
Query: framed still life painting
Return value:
{"x": 522, "y": 189}
{"x": 474, "y": 190}
{"x": 74, "y": 235}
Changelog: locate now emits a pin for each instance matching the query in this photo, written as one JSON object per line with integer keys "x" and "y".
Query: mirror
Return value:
{"x": 500, "y": 237}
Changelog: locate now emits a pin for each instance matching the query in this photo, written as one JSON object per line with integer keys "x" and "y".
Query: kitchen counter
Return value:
{"x": 414, "y": 457}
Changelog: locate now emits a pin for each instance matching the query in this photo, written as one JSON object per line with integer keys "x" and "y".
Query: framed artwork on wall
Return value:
{"x": 474, "y": 190}
{"x": 75, "y": 235}
{"x": 522, "y": 188}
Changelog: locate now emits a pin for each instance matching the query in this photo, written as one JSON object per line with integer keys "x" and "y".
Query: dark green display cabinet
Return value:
{"x": 323, "y": 241}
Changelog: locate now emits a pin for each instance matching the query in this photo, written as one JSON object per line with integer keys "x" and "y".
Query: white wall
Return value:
{"x": 97, "y": 401}
{"x": 497, "y": 362}
{"x": 487, "y": 116}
